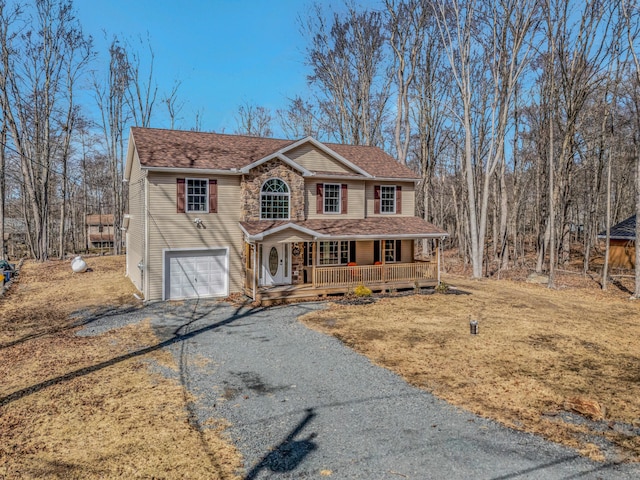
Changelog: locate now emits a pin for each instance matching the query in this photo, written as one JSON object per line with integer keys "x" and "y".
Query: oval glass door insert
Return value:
{"x": 273, "y": 261}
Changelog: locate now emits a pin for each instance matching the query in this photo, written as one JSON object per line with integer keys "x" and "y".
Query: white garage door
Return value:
{"x": 197, "y": 274}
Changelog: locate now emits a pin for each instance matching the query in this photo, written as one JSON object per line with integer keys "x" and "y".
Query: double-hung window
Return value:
{"x": 333, "y": 253}
{"x": 197, "y": 195}
{"x": 387, "y": 199}
{"x": 390, "y": 251}
{"x": 332, "y": 202}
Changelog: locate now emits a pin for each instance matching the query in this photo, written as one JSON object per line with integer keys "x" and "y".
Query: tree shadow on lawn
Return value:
{"x": 82, "y": 319}
{"x": 176, "y": 338}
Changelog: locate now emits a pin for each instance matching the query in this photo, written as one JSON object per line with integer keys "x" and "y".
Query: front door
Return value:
{"x": 276, "y": 264}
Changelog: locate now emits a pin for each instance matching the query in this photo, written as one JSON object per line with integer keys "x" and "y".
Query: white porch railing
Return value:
{"x": 374, "y": 274}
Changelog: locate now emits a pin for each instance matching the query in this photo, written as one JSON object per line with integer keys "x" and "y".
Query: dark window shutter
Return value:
{"x": 213, "y": 196}
{"x": 376, "y": 251}
{"x": 306, "y": 248}
{"x": 343, "y": 198}
{"x": 376, "y": 199}
{"x": 398, "y": 199}
{"x": 319, "y": 198}
{"x": 352, "y": 251}
{"x": 180, "y": 195}
{"x": 398, "y": 250}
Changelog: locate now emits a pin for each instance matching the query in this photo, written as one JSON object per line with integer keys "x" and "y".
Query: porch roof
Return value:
{"x": 365, "y": 228}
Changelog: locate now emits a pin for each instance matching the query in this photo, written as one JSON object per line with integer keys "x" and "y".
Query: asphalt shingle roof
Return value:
{"x": 185, "y": 149}
{"x": 365, "y": 227}
{"x": 625, "y": 230}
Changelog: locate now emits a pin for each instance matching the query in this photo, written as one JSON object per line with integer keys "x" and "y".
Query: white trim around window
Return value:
{"x": 388, "y": 194}
{"x": 332, "y": 198}
{"x": 333, "y": 253}
{"x": 391, "y": 251}
{"x": 196, "y": 194}
{"x": 275, "y": 199}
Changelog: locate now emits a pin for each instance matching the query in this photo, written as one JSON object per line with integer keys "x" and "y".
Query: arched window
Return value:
{"x": 274, "y": 200}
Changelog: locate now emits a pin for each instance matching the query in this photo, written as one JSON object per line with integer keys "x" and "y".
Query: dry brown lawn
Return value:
{"x": 88, "y": 407}
{"x": 561, "y": 363}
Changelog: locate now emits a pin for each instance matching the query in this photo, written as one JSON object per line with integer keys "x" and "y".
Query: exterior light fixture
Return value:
{"x": 473, "y": 326}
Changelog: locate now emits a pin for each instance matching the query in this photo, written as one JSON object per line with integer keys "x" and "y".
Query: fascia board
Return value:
{"x": 202, "y": 171}
{"x": 130, "y": 151}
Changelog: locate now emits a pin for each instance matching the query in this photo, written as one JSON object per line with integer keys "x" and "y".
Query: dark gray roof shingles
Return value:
{"x": 625, "y": 230}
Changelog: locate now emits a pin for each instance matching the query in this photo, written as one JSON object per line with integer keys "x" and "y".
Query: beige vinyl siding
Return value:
{"x": 408, "y": 198}
{"x": 364, "y": 252}
{"x": 355, "y": 199}
{"x": 407, "y": 251}
{"x": 135, "y": 231}
{"x": 283, "y": 235}
{"x": 316, "y": 160}
{"x": 169, "y": 230}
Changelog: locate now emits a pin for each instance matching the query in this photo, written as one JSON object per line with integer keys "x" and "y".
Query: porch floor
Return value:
{"x": 306, "y": 291}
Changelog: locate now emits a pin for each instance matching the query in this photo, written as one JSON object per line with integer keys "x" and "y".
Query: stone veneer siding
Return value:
{"x": 252, "y": 184}
{"x": 297, "y": 264}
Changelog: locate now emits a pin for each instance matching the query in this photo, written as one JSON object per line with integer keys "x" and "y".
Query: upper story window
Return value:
{"x": 387, "y": 199}
{"x": 197, "y": 196}
{"x": 274, "y": 200}
{"x": 332, "y": 202}
{"x": 331, "y": 198}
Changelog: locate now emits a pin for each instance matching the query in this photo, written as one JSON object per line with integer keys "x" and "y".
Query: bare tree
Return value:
{"x": 39, "y": 53}
{"x": 346, "y": 58}
{"x": 299, "y": 120}
{"x": 174, "y": 105}
{"x": 253, "y": 120}
{"x": 631, "y": 15}
{"x": 3, "y": 151}
{"x": 141, "y": 94}
{"x": 476, "y": 36}
{"x": 197, "y": 125}
{"x": 80, "y": 53}
{"x": 111, "y": 101}
{"x": 407, "y": 24}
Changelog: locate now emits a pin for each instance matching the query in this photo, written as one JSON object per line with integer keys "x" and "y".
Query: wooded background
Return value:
{"x": 521, "y": 116}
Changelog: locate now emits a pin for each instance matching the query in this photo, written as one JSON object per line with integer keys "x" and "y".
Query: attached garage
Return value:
{"x": 196, "y": 273}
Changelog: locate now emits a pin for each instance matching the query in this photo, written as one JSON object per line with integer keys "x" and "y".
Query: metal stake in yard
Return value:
{"x": 473, "y": 324}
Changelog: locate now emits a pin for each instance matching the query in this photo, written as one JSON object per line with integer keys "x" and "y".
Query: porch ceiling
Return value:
{"x": 365, "y": 228}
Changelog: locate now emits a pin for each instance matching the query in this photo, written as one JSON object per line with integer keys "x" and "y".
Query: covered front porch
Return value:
{"x": 342, "y": 280}
{"x": 287, "y": 260}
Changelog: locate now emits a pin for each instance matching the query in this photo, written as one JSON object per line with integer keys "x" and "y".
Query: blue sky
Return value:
{"x": 225, "y": 52}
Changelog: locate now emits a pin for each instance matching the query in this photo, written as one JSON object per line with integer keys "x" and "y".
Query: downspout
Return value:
{"x": 439, "y": 241}
{"x": 145, "y": 266}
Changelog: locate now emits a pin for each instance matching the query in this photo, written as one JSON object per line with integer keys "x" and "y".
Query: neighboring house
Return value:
{"x": 622, "y": 243}
{"x": 100, "y": 231}
{"x": 15, "y": 238}
{"x": 213, "y": 214}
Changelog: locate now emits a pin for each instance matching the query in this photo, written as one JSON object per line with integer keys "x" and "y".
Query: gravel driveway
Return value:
{"x": 302, "y": 405}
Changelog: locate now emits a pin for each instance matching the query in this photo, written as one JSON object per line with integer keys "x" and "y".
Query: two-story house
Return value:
{"x": 213, "y": 214}
{"x": 100, "y": 231}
